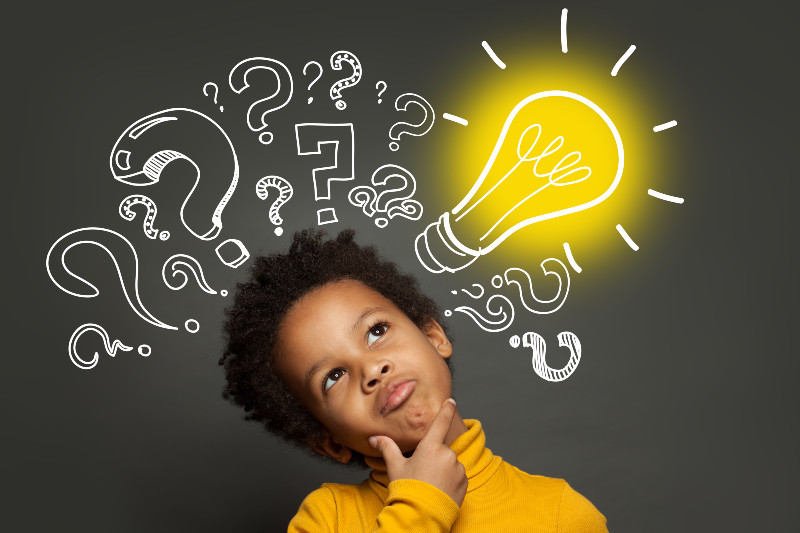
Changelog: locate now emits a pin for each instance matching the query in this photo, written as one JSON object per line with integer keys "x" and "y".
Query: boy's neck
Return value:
{"x": 457, "y": 428}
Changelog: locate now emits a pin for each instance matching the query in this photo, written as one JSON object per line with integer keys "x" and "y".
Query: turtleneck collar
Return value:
{"x": 470, "y": 447}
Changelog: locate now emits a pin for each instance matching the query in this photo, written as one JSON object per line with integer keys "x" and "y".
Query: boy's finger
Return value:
{"x": 441, "y": 424}
{"x": 389, "y": 450}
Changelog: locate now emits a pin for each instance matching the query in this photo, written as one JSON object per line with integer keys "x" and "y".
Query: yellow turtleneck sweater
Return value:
{"x": 499, "y": 498}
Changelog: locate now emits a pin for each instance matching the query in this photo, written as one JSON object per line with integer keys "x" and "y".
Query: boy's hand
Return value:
{"x": 432, "y": 462}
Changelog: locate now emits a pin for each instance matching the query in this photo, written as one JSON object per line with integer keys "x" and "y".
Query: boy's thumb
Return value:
{"x": 388, "y": 448}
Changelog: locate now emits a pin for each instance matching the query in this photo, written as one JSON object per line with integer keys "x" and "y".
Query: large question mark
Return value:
{"x": 126, "y": 211}
{"x": 216, "y": 92}
{"x": 285, "y": 192}
{"x": 122, "y": 253}
{"x": 543, "y": 370}
{"x": 424, "y": 126}
{"x": 151, "y": 143}
{"x": 387, "y": 202}
{"x": 110, "y": 348}
{"x": 381, "y": 90}
{"x": 311, "y": 138}
{"x": 180, "y": 265}
{"x": 337, "y": 58}
{"x": 311, "y": 98}
{"x": 258, "y": 110}
{"x": 521, "y": 279}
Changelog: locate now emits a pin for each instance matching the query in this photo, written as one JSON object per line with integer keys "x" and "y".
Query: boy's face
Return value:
{"x": 362, "y": 367}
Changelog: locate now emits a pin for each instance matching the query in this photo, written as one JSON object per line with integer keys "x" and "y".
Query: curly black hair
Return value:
{"x": 260, "y": 304}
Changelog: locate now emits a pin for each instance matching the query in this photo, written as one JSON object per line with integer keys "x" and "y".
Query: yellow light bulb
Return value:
{"x": 534, "y": 173}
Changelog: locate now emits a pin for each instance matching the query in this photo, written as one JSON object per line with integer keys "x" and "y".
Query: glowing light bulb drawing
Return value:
{"x": 532, "y": 183}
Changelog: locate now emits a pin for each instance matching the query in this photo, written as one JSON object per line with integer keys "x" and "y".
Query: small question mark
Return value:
{"x": 180, "y": 265}
{"x": 311, "y": 98}
{"x": 487, "y": 324}
{"x": 536, "y": 343}
{"x": 424, "y": 126}
{"x": 380, "y": 91}
{"x": 216, "y": 92}
{"x": 337, "y": 58}
{"x": 115, "y": 245}
{"x": 370, "y": 201}
{"x": 126, "y": 211}
{"x": 285, "y": 192}
{"x": 258, "y": 110}
{"x": 111, "y": 348}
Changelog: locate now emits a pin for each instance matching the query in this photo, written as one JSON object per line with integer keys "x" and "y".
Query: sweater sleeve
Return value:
{"x": 576, "y": 514}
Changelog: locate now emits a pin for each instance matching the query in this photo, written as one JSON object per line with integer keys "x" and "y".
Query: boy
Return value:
{"x": 336, "y": 351}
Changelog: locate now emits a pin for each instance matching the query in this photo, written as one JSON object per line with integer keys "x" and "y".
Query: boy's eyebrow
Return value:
{"x": 313, "y": 370}
{"x": 367, "y": 312}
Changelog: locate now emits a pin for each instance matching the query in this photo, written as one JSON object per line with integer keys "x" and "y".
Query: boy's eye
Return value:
{"x": 332, "y": 377}
{"x": 376, "y": 332}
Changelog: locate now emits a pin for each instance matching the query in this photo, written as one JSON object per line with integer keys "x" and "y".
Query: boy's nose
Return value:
{"x": 375, "y": 373}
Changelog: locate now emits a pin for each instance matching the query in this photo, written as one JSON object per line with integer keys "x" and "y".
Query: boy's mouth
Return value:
{"x": 395, "y": 394}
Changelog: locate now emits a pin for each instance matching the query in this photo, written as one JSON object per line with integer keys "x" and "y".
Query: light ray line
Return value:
{"x": 571, "y": 259}
{"x": 627, "y": 237}
{"x": 622, "y": 59}
{"x": 491, "y": 53}
{"x": 667, "y": 197}
{"x": 665, "y": 126}
{"x": 564, "y": 30}
{"x": 454, "y": 118}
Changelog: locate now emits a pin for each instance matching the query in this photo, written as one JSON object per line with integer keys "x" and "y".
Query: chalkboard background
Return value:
{"x": 682, "y": 413}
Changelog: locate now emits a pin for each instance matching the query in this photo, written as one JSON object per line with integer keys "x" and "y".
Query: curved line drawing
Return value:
{"x": 486, "y": 324}
{"x": 622, "y": 59}
{"x": 126, "y": 211}
{"x": 666, "y": 197}
{"x": 111, "y": 348}
{"x": 180, "y": 263}
{"x": 624, "y": 235}
{"x": 571, "y": 259}
{"x": 497, "y": 60}
{"x": 517, "y": 275}
{"x": 537, "y": 344}
{"x": 475, "y": 296}
{"x": 456, "y": 119}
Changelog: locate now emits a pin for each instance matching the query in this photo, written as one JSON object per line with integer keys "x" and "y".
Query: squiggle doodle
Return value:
{"x": 337, "y": 58}
{"x": 285, "y": 192}
{"x": 519, "y": 277}
{"x": 537, "y": 344}
{"x": 311, "y": 98}
{"x": 487, "y": 324}
{"x": 108, "y": 240}
{"x": 370, "y": 201}
{"x": 424, "y": 126}
{"x": 126, "y": 212}
{"x": 180, "y": 263}
{"x": 150, "y": 144}
{"x": 258, "y": 110}
{"x": 111, "y": 348}
{"x": 473, "y": 296}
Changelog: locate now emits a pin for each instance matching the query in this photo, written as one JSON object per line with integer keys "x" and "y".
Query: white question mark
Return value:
{"x": 285, "y": 192}
{"x": 311, "y": 98}
{"x": 536, "y": 343}
{"x": 424, "y": 126}
{"x": 337, "y": 58}
{"x": 522, "y": 279}
{"x": 380, "y": 91}
{"x": 237, "y": 79}
{"x": 126, "y": 211}
{"x": 180, "y": 265}
{"x": 216, "y": 92}
{"x": 487, "y": 324}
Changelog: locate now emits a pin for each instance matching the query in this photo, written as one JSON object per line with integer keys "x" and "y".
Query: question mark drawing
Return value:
{"x": 126, "y": 211}
{"x": 285, "y": 192}
{"x": 387, "y": 202}
{"x": 216, "y": 92}
{"x": 125, "y": 260}
{"x": 380, "y": 90}
{"x": 543, "y": 370}
{"x": 110, "y": 348}
{"x": 423, "y": 127}
{"x": 311, "y": 98}
{"x": 258, "y": 110}
{"x": 150, "y": 144}
{"x": 504, "y": 319}
{"x": 522, "y": 280}
{"x": 180, "y": 265}
{"x": 337, "y": 59}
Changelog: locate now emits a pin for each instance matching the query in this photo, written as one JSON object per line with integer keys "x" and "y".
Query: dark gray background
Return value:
{"x": 682, "y": 413}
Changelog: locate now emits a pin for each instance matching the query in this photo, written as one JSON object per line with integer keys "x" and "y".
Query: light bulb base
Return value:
{"x": 438, "y": 249}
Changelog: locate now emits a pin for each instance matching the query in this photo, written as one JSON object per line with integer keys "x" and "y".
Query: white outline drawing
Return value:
{"x": 564, "y": 30}
{"x": 337, "y": 58}
{"x": 311, "y": 98}
{"x": 665, "y": 126}
{"x": 456, "y": 119}
{"x": 311, "y": 144}
{"x": 568, "y": 251}
{"x": 370, "y": 201}
{"x": 216, "y": 93}
{"x": 622, "y": 59}
{"x": 111, "y": 348}
{"x": 381, "y": 90}
{"x": 624, "y": 235}
{"x": 237, "y": 79}
{"x": 180, "y": 263}
{"x": 285, "y": 192}
{"x": 126, "y": 211}
{"x": 64, "y": 278}
{"x": 244, "y": 254}
{"x": 192, "y": 325}
{"x": 399, "y": 128}
{"x": 439, "y": 238}
{"x": 497, "y": 60}
{"x": 150, "y": 144}
{"x": 520, "y": 278}
{"x": 666, "y": 197}
{"x": 486, "y": 324}
{"x": 539, "y": 347}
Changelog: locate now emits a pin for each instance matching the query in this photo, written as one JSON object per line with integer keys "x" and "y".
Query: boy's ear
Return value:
{"x": 433, "y": 330}
{"x": 333, "y": 449}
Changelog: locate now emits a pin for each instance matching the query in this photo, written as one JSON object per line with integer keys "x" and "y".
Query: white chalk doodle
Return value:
{"x": 126, "y": 211}
{"x": 529, "y": 300}
{"x": 285, "y": 192}
{"x": 622, "y": 59}
{"x": 456, "y": 119}
{"x": 337, "y": 61}
{"x": 180, "y": 264}
{"x": 319, "y": 75}
{"x": 627, "y": 238}
{"x": 122, "y": 253}
{"x": 564, "y": 48}
{"x": 665, "y": 126}
{"x": 258, "y": 110}
{"x": 110, "y": 348}
{"x": 150, "y": 144}
{"x": 490, "y": 51}
{"x": 392, "y": 201}
{"x": 417, "y": 129}
{"x": 665, "y": 197}
{"x": 539, "y": 347}
{"x": 381, "y": 90}
{"x": 503, "y": 319}
{"x": 571, "y": 259}
{"x": 192, "y": 325}
{"x": 311, "y": 137}
{"x": 238, "y": 258}
{"x": 216, "y": 93}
